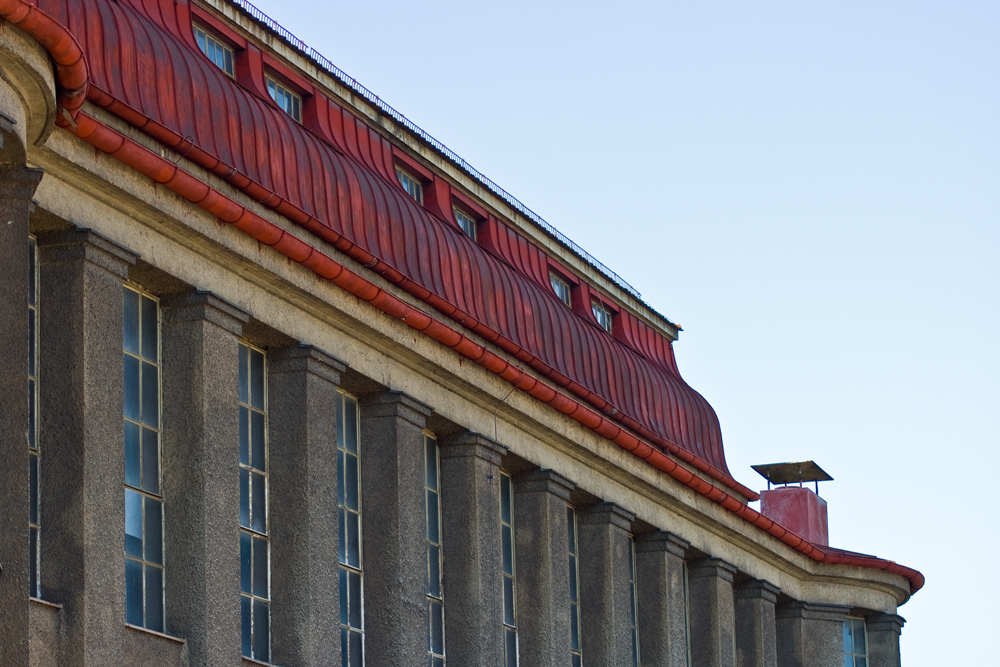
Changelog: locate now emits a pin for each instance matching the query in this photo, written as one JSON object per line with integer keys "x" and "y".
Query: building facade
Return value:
{"x": 303, "y": 388}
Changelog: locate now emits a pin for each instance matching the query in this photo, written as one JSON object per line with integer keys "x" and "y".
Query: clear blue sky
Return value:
{"x": 811, "y": 189}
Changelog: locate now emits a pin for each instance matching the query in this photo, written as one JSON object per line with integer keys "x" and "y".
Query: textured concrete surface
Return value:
{"x": 17, "y": 185}
{"x": 470, "y": 515}
{"x": 883, "y": 639}
{"x": 143, "y": 647}
{"x": 711, "y": 604}
{"x": 659, "y": 562}
{"x": 542, "y": 557}
{"x": 810, "y": 635}
{"x": 755, "y": 633}
{"x": 392, "y": 528}
{"x": 201, "y": 495}
{"x": 302, "y": 406}
{"x": 82, "y": 439}
{"x": 45, "y": 634}
{"x": 605, "y": 594}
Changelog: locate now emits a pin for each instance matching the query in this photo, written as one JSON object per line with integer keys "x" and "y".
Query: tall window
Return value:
{"x": 855, "y": 643}
{"x": 289, "y": 102}
{"x": 466, "y": 222}
{"x": 602, "y": 315}
{"x": 34, "y": 523}
{"x": 143, "y": 497}
{"x": 560, "y": 287}
{"x": 411, "y": 184}
{"x": 349, "y": 501}
{"x": 574, "y": 590}
{"x": 507, "y": 538}
{"x": 435, "y": 594}
{"x": 255, "y": 605}
{"x": 687, "y": 613}
{"x": 214, "y": 50}
{"x": 634, "y": 607}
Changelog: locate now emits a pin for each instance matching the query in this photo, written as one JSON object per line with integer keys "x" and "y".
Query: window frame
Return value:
{"x": 471, "y": 229}
{"x": 509, "y": 629}
{"x": 597, "y": 308}
{"x": 435, "y": 658}
{"x": 347, "y": 630}
{"x": 295, "y": 113}
{"x": 634, "y": 625}
{"x": 34, "y": 452}
{"x": 226, "y": 48}
{"x": 851, "y": 623}
{"x": 573, "y": 534}
{"x": 418, "y": 183}
{"x": 255, "y": 535}
{"x": 138, "y": 488}
{"x": 554, "y": 278}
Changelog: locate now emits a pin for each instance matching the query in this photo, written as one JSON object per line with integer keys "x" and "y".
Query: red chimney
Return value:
{"x": 796, "y": 507}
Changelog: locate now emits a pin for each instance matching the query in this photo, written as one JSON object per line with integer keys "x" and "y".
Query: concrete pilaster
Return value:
{"x": 17, "y": 185}
{"x": 302, "y": 408}
{"x": 605, "y": 595}
{"x": 200, "y": 438}
{"x": 542, "y": 557}
{"x": 810, "y": 635}
{"x": 659, "y": 561}
{"x": 755, "y": 633}
{"x": 393, "y": 529}
{"x": 82, "y": 435}
{"x": 470, "y": 512}
{"x": 712, "y": 617}
{"x": 883, "y": 639}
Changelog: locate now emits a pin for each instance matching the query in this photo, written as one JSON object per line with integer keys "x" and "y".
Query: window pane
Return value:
{"x": 354, "y": 595}
{"x": 227, "y": 62}
{"x": 574, "y": 627}
{"x": 256, "y": 380}
{"x": 430, "y": 454}
{"x": 132, "y": 459}
{"x": 432, "y": 517}
{"x": 351, "y": 425}
{"x": 131, "y": 388}
{"x": 510, "y": 648}
{"x": 246, "y": 561}
{"x": 257, "y": 459}
{"x": 848, "y": 644}
{"x": 508, "y": 601}
{"x": 437, "y": 627}
{"x": 154, "y": 531}
{"x": 133, "y": 592}
{"x": 150, "y": 461}
{"x": 356, "y": 654}
{"x": 32, "y": 419}
{"x": 573, "y": 587}
{"x": 353, "y": 540}
{"x": 244, "y": 374}
{"x": 154, "y": 598}
{"x": 341, "y": 536}
{"x": 848, "y": 661}
{"x": 341, "y": 492}
{"x": 343, "y": 598}
{"x": 133, "y": 523}
{"x": 508, "y": 551}
{"x": 261, "y": 631}
{"x": 149, "y": 329}
{"x": 245, "y": 626}
{"x": 260, "y": 568}
{"x": 31, "y": 339}
{"x": 244, "y": 497}
{"x": 860, "y": 662}
{"x": 258, "y": 498}
{"x": 505, "y": 499}
{"x": 860, "y": 646}
{"x": 33, "y": 569}
{"x": 433, "y": 571}
{"x": 244, "y": 435}
{"x": 351, "y": 482}
{"x": 33, "y": 488}
{"x": 131, "y": 321}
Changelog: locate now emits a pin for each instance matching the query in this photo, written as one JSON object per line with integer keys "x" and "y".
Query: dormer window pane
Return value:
{"x": 561, "y": 288}
{"x": 602, "y": 315}
{"x": 466, "y": 222}
{"x": 412, "y": 185}
{"x": 289, "y": 102}
{"x": 214, "y": 50}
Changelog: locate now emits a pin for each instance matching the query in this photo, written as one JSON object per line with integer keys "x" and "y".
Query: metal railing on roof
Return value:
{"x": 511, "y": 200}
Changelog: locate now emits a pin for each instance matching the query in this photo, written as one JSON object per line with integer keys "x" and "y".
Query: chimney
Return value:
{"x": 796, "y": 507}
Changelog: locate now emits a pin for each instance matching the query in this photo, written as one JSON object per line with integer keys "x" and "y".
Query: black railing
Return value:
{"x": 511, "y": 200}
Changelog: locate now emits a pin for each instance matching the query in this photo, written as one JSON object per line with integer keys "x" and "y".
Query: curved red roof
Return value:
{"x": 336, "y": 178}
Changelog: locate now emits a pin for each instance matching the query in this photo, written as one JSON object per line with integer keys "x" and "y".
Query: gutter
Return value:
{"x": 71, "y": 73}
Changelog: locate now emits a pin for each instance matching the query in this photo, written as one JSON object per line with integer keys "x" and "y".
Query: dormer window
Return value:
{"x": 602, "y": 315}
{"x": 466, "y": 222}
{"x": 214, "y": 50}
{"x": 561, "y": 288}
{"x": 413, "y": 186}
{"x": 289, "y": 102}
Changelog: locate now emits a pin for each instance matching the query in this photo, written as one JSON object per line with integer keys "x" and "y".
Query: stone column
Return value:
{"x": 470, "y": 514}
{"x": 302, "y": 399}
{"x": 659, "y": 562}
{"x": 82, "y": 432}
{"x": 712, "y": 621}
{"x": 393, "y": 530}
{"x": 755, "y": 633}
{"x": 810, "y": 635}
{"x": 201, "y": 494}
{"x": 605, "y": 592}
{"x": 883, "y": 639}
{"x": 17, "y": 185}
{"x": 541, "y": 498}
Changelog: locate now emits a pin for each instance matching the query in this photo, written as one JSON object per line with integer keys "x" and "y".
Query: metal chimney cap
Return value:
{"x": 787, "y": 473}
